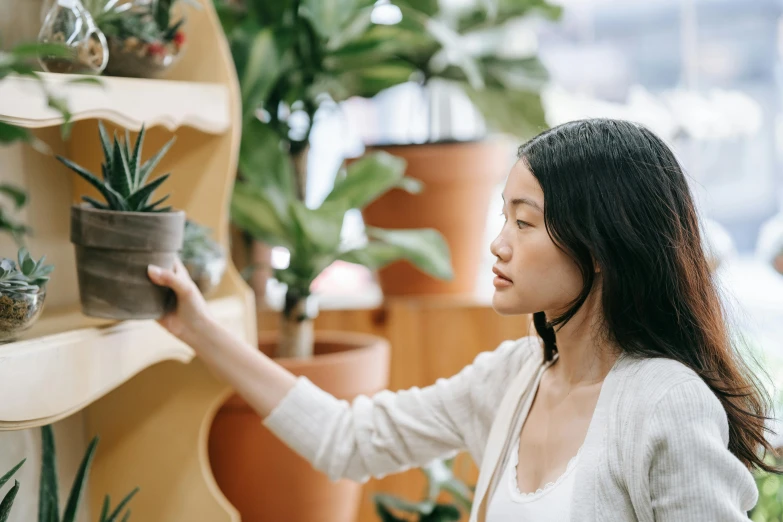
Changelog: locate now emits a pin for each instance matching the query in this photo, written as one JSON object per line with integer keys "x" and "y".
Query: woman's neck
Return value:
{"x": 585, "y": 356}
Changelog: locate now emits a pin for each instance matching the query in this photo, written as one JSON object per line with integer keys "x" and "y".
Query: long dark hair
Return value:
{"x": 616, "y": 197}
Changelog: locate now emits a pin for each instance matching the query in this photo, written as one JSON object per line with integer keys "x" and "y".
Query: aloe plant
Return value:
{"x": 48, "y": 499}
{"x": 124, "y": 182}
{"x": 28, "y": 277}
{"x": 440, "y": 478}
{"x": 8, "y": 499}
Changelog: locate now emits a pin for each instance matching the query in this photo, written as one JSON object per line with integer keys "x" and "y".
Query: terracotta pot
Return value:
{"x": 459, "y": 179}
{"x": 259, "y": 474}
{"x": 113, "y": 250}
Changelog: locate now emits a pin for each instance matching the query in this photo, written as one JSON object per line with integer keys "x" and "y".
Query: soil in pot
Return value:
{"x": 113, "y": 250}
{"x": 259, "y": 474}
{"x": 18, "y": 312}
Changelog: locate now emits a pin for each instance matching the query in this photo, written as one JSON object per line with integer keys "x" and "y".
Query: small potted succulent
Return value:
{"x": 22, "y": 293}
{"x": 143, "y": 38}
{"x": 204, "y": 258}
{"x": 117, "y": 239}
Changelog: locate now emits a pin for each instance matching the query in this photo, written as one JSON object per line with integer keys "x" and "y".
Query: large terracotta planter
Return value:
{"x": 459, "y": 179}
{"x": 260, "y": 475}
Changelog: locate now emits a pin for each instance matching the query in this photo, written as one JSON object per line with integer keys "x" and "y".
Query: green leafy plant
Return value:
{"x": 8, "y": 499}
{"x": 48, "y": 499}
{"x": 28, "y": 277}
{"x": 292, "y": 56}
{"x": 18, "y": 198}
{"x": 150, "y": 23}
{"x": 440, "y": 478}
{"x": 124, "y": 182}
{"x": 198, "y": 243}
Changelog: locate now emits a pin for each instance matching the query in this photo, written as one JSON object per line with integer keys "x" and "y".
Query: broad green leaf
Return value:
{"x": 421, "y": 508}
{"x": 514, "y": 112}
{"x": 426, "y": 249}
{"x": 17, "y": 195}
{"x": 368, "y": 178}
{"x": 11, "y": 133}
{"x": 328, "y": 17}
{"x": 262, "y": 162}
{"x": 427, "y": 7}
{"x": 254, "y": 211}
{"x": 354, "y": 28}
{"x": 79, "y": 483}
{"x": 8, "y": 502}
{"x": 36, "y": 50}
{"x": 5, "y": 478}
{"x": 48, "y": 496}
{"x": 369, "y": 81}
{"x": 259, "y": 72}
{"x": 319, "y": 227}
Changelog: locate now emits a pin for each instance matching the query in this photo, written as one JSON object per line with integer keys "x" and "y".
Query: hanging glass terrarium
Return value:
{"x": 69, "y": 23}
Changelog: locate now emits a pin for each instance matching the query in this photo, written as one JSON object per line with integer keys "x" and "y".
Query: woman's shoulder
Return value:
{"x": 662, "y": 388}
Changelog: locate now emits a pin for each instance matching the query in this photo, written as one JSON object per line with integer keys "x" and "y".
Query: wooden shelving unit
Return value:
{"x": 131, "y": 383}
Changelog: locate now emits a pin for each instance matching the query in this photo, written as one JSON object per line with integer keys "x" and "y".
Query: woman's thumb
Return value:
{"x": 162, "y": 277}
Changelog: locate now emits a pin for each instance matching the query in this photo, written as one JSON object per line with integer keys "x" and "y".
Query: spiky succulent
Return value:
{"x": 25, "y": 278}
{"x": 124, "y": 184}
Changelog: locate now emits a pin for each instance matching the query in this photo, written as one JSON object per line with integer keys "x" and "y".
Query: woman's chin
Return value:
{"x": 503, "y": 305}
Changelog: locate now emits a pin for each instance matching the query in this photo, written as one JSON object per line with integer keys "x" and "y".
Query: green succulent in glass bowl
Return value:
{"x": 204, "y": 258}
{"x": 22, "y": 293}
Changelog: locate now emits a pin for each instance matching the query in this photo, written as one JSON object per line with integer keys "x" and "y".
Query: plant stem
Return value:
{"x": 299, "y": 159}
{"x": 296, "y": 328}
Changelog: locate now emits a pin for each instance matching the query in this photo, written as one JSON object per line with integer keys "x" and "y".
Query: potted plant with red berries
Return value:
{"x": 143, "y": 36}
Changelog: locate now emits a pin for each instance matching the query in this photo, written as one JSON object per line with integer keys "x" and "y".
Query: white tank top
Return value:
{"x": 552, "y": 503}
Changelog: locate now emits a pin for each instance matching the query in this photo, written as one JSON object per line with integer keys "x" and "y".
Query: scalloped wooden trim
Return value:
{"x": 127, "y": 102}
{"x": 49, "y": 378}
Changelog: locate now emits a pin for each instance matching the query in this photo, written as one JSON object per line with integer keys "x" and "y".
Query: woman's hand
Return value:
{"x": 191, "y": 313}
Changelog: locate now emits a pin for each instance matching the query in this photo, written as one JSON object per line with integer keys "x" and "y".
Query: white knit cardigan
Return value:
{"x": 655, "y": 450}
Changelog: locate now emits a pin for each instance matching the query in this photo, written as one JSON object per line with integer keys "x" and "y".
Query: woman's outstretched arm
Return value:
{"x": 262, "y": 382}
{"x": 371, "y": 436}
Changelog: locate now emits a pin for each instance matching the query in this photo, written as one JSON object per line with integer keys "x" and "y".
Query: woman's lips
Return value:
{"x": 501, "y": 279}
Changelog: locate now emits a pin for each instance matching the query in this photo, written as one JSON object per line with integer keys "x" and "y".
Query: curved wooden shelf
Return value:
{"x": 52, "y": 375}
{"x": 127, "y": 102}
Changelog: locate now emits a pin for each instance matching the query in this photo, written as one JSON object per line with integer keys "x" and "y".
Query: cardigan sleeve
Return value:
{"x": 388, "y": 432}
{"x": 692, "y": 474}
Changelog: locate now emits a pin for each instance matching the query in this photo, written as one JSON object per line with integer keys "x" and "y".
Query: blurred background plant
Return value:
{"x": 440, "y": 479}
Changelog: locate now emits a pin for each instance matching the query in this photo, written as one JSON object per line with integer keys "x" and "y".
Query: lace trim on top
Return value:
{"x": 518, "y": 496}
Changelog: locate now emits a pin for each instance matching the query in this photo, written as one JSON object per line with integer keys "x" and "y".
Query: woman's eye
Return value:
{"x": 522, "y": 224}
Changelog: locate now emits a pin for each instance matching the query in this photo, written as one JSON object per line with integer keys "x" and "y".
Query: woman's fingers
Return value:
{"x": 177, "y": 281}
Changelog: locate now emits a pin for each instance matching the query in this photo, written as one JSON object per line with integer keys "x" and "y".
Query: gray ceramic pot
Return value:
{"x": 113, "y": 250}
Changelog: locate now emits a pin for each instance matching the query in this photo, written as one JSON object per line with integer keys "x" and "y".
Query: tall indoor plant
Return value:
{"x": 290, "y": 56}
{"x": 472, "y": 51}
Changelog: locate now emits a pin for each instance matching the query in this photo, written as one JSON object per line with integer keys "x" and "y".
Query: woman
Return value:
{"x": 630, "y": 404}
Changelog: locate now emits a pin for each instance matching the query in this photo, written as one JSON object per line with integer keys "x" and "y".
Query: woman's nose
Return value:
{"x": 500, "y": 249}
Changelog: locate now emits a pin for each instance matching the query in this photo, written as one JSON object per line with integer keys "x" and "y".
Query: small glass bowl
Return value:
{"x": 131, "y": 57}
{"x": 69, "y": 23}
{"x": 18, "y": 312}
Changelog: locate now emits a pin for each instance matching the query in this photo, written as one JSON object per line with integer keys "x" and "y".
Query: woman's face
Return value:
{"x": 531, "y": 273}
